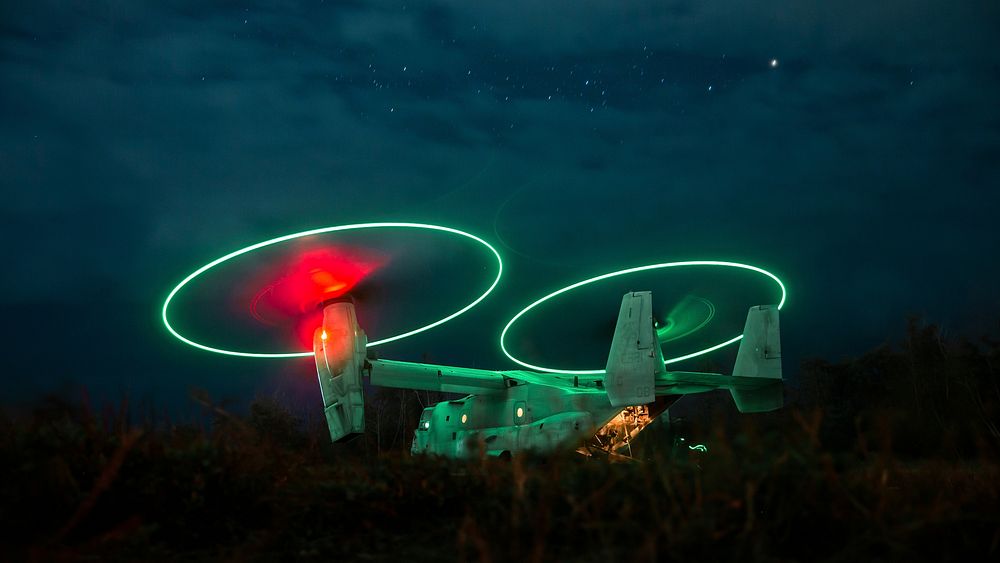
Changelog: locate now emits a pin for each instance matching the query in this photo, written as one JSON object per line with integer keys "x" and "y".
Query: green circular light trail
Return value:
{"x": 503, "y": 334}
{"x": 251, "y": 248}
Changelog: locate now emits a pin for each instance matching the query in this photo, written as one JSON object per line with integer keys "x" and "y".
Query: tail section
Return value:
{"x": 340, "y": 349}
{"x": 634, "y": 353}
{"x": 757, "y": 379}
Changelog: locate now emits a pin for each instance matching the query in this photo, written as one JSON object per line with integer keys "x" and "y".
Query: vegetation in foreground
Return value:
{"x": 892, "y": 456}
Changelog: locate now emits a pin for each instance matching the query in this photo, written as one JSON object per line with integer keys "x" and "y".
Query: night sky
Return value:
{"x": 849, "y": 147}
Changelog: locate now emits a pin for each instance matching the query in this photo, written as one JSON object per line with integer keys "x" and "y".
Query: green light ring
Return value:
{"x": 503, "y": 334}
{"x": 251, "y": 248}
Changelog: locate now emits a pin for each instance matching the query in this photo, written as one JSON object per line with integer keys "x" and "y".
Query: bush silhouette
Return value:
{"x": 890, "y": 456}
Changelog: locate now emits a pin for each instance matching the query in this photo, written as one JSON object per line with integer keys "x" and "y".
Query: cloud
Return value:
{"x": 898, "y": 31}
{"x": 137, "y": 139}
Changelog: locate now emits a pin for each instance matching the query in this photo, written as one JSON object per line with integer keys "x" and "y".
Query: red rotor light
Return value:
{"x": 309, "y": 279}
{"x": 288, "y": 296}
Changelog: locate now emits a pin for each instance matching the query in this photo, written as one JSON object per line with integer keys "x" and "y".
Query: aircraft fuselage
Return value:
{"x": 522, "y": 417}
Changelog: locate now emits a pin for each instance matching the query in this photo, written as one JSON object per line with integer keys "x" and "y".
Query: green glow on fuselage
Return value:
{"x": 251, "y": 248}
{"x": 506, "y": 329}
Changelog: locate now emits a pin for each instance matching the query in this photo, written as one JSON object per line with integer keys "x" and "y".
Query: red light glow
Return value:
{"x": 292, "y": 291}
{"x": 306, "y": 325}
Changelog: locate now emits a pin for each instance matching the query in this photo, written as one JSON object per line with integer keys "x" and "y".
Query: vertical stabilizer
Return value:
{"x": 340, "y": 349}
{"x": 757, "y": 374}
{"x": 631, "y": 364}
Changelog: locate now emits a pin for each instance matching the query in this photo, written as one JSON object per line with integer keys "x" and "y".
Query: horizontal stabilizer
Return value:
{"x": 768, "y": 398}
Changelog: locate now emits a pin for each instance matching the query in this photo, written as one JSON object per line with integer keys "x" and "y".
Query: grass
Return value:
{"x": 891, "y": 456}
{"x": 79, "y": 486}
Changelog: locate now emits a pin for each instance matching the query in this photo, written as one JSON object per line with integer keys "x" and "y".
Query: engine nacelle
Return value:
{"x": 340, "y": 349}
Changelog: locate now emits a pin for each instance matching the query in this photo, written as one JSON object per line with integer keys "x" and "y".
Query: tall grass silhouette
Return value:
{"x": 889, "y": 456}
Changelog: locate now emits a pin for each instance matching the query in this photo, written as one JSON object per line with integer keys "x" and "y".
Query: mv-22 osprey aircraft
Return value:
{"x": 504, "y": 413}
